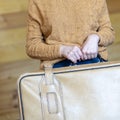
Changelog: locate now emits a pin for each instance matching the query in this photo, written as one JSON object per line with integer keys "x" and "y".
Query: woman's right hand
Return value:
{"x": 72, "y": 53}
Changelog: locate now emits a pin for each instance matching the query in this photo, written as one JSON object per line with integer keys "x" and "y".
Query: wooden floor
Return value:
{"x": 8, "y": 83}
{"x": 13, "y": 59}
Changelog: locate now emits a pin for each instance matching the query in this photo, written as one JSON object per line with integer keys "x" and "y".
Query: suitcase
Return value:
{"x": 83, "y": 92}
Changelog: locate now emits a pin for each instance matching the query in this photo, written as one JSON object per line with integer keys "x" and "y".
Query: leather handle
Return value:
{"x": 52, "y": 102}
{"x": 51, "y": 96}
{"x": 48, "y": 74}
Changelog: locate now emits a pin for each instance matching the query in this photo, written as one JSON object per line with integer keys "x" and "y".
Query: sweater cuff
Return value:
{"x": 56, "y": 53}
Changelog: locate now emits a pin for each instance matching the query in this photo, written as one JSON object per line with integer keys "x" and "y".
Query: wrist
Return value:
{"x": 62, "y": 50}
{"x": 94, "y": 37}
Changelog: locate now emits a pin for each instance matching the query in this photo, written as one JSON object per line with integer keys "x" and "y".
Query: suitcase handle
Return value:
{"x": 48, "y": 74}
{"x": 51, "y": 96}
{"x": 51, "y": 103}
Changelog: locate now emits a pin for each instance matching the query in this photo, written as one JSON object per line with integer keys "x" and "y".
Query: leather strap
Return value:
{"x": 48, "y": 74}
{"x": 51, "y": 96}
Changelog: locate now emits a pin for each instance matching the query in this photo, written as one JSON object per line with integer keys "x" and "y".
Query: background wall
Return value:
{"x": 13, "y": 59}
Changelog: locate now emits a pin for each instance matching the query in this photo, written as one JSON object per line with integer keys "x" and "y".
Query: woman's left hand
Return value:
{"x": 90, "y": 47}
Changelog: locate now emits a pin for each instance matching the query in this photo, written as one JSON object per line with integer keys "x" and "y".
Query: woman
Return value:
{"x": 68, "y": 32}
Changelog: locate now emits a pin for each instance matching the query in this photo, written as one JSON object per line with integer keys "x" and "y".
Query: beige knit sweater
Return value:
{"x": 52, "y": 23}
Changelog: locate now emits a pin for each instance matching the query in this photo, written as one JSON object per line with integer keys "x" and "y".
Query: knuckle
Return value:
{"x": 71, "y": 53}
{"x": 91, "y": 52}
{"x": 94, "y": 52}
{"x": 88, "y": 52}
{"x": 75, "y": 47}
{"x": 74, "y": 50}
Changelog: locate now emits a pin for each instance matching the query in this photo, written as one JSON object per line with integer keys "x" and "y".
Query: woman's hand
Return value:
{"x": 90, "y": 47}
{"x": 72, "y": 53}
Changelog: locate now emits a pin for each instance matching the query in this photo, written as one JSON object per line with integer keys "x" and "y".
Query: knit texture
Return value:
{"x": 52, "y": 23}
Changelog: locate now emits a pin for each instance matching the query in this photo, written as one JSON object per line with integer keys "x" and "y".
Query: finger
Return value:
{"x": 80, "y": 54}
{"x": 89, "y": 56}
{"x": 72, "y": 57}
{"x": 93, "y": 56}
{"x": 85, "y": 57}
{"x": 77, "y": 55}
{"x": 85, "y": 53}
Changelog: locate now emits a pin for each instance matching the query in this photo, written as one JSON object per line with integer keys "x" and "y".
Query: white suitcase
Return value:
{"x": 85, "y": 92}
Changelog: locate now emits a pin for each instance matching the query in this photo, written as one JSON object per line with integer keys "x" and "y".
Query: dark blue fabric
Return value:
{"x": 67, "y": 62}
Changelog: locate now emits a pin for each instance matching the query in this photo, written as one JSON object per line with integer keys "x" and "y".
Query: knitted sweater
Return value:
{"x": 52, "y": 23}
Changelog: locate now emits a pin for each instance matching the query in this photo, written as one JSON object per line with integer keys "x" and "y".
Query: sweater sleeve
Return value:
{"x": 35, "y": 45}
{"x": 105, "y": 31}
